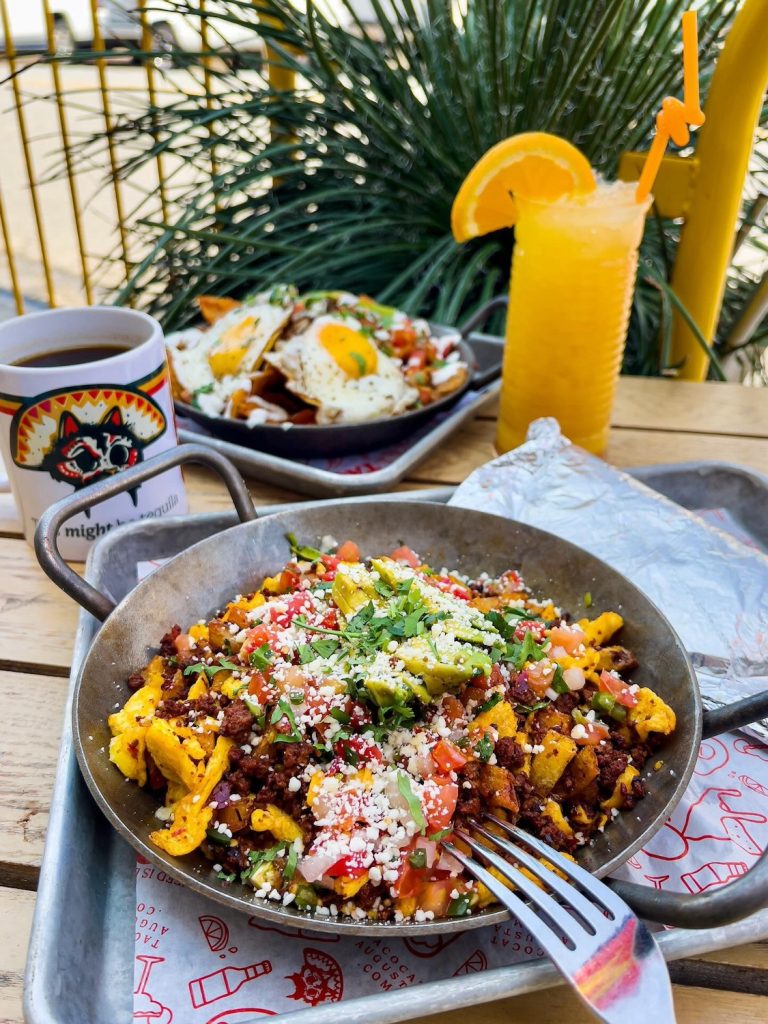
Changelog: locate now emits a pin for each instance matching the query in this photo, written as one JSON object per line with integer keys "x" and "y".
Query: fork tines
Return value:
{"x": 564, "y": 910}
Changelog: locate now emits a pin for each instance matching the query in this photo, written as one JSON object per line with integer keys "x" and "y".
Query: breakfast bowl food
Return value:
{"x": 490, "y": 631}
{"x": 314, "y": 375}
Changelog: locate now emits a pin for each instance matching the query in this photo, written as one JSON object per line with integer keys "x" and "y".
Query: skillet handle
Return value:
{"x": 51, "y": 521}
{"x": 734, "y": 716}
{"x": 483, "y": 376}
{"x": 709, "y": 909}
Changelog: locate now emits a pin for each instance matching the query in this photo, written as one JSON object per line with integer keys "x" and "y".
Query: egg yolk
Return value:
{"x": 352, "y": 352}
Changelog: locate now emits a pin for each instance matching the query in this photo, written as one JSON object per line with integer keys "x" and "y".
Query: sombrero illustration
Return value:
{"x": 80, "y": 436}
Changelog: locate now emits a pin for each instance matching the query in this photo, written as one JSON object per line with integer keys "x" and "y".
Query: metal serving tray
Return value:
{"x": 377, "y": 471}
{"x": 81, "y": 954}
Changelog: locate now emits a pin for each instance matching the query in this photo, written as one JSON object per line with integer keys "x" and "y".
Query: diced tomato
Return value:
{"x": 452, "y": 708}
{"x": 350, "y": 866}
{"x": 261, "y": 689}
{"x": 355, "y": 748}
{"x": 440, "y": 802}
{"x": 289, "y": 580}
{"x": 417, "y": 359}
{"x": 331, "y": 563}
{"x": 540, "y": 675}
{"x": 299, "y": 603}
{"x": 567, "y": 637}
{"x": 403, "y": 340}
{"x": 449, "y": 586}
{"x": 596, "y": 732}
{"x": 406, "y": 555}
{"x": 411, "y": 879}
{"x": 256, "y": 637}
{"x": 359, "y": 716}
{"x": 183, "y": 643}
{"x": 527, "y": 626}
{"x": 330, "y": 620}
{"x": 447, "y": 756}
{"x": 618, "y": 689}
{"x": 436, "y": 895}
{"x": 348, "y": 552}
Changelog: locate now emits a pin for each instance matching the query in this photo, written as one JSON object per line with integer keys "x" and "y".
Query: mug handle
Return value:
{"x": 51, "y": 521}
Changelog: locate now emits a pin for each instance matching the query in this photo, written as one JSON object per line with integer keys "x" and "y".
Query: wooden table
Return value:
{"x": 655, "y": 421}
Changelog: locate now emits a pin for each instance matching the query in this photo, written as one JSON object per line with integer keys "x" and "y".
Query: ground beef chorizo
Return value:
{"x": 136, "y": 681}
{"x": 297, "y": 755}
{"x": 168, "y": 641}
{"x": 546, "y": 829}
{"x": 469, "y": 803}
{"x": 366, "y": 897}
{"x": 509, "y": 753}
{"x": 237, "y": 721}
{"x": 518, "y": 690}
{"x": 566, "y": 702}
{"x": 612, "y": 763}
{"x": 170, "y": 708}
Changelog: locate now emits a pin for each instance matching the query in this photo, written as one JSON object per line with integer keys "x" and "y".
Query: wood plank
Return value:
{"x": 27, "y": 769}
{"x": 653, "y": 403}
{"x": 650, "y": 447}
{"x": 473, "y": 445}
{"x": 681, "y": 405}
{"x": 16, "y": 908}
{"x": 37, "y": 621}
{"x": 753, "y": 955}
{"x": 9, "y": 517}
{"x": 554, "y": 1006}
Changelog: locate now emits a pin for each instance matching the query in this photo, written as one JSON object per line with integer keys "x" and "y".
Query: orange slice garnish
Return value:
{"x": 535, "y": 165}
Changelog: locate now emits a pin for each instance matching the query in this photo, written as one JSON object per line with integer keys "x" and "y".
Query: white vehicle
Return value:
{"x": 121, "y": 25}
{"x": 72, "y": 25}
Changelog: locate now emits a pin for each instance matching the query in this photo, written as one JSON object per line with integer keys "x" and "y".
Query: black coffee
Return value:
{"x": 72, "y": 356}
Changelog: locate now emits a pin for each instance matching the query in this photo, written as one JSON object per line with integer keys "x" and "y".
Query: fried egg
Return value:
{"x": 212, "y": 364}
{"x": 334, "y": 366}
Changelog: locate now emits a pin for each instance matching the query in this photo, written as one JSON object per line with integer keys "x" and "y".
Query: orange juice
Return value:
{"x": 573, "y": 276}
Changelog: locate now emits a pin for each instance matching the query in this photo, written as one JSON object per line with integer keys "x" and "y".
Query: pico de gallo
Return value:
{"x": 320, "y": 737}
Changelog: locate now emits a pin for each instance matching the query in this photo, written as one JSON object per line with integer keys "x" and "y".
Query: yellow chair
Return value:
{"x": 706, "y": 189}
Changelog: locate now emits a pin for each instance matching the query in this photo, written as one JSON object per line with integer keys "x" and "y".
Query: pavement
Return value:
{"x": 83, "y": 118}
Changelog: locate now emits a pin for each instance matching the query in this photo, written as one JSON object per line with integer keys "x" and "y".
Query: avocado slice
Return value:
{"x": 456, "y": 665}
{"x": 353, "y": 588}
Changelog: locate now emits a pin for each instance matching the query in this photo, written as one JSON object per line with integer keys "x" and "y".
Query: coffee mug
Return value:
{"x": 84, "y": 394}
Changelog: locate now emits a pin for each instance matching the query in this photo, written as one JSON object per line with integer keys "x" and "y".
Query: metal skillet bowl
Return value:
{"x": 202, "y": 578}
{"x": 314, "y": 441}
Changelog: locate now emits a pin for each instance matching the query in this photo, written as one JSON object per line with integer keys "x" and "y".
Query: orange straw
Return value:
{"x": 675, "y": 116}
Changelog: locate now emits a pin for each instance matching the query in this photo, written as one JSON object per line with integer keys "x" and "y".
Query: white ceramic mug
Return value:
{"x": 63, "y": 427}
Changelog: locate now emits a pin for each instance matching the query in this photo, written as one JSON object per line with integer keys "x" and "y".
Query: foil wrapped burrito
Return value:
{"x": 712, "y": 587}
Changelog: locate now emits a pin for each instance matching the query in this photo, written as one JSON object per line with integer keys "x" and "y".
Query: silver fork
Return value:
{"x": 593, "y": 938}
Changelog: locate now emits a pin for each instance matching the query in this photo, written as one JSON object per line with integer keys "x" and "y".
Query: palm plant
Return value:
{"x": 346, "y": 179}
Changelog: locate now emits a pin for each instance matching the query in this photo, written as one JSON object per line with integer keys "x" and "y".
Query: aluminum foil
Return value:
{"x": 712, "y": 587}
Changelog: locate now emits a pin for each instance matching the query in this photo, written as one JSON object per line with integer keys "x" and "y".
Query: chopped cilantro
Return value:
{"x": 226, "y": 877}
{"x": 211, "y": 670}
{"x": 325, "y": 648}
{"x": 437, "y": 837}
{"x": 526, "y": 710}
{"x": 303, "y": 551}
{"x": 291, "y": 863}
{"x": 261, "y": 658}
{"x": 492, "y": 701}
{"x": 414, "y": 804}
{"x": 459, "y": 907}
{"x": 587, "y": 600}
{"x": 484, "y": 749}
{"x": 559, "y": 684}
{"x": 382, "y": 588}
{"x": 306, "y": 653}
{"x": 418, "y": 859}
{"x": 339, "y": 715}
{"x": 360, "y": 360}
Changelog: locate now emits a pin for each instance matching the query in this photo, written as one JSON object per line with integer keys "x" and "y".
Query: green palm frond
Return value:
{"x": 347, "y": 180}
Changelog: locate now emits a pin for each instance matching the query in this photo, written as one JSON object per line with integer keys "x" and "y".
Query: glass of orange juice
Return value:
{"x": 573, "y": 277}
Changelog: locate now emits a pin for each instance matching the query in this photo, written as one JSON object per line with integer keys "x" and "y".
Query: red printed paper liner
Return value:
{"x": 213, "y": 966}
